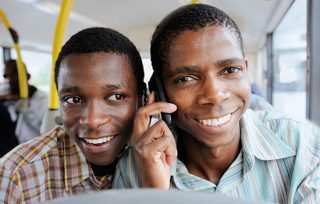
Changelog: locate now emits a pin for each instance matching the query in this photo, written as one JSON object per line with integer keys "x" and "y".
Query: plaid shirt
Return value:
{"x": 45, "y": 168}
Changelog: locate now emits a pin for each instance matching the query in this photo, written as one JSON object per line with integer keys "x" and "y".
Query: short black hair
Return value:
{"x": 98, "y": 39}
{"x": 189, "y": 17}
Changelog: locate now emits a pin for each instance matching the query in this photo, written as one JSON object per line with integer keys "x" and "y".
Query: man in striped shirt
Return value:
{"x": 99, "y": 78}
{"x": 222, "y": 147}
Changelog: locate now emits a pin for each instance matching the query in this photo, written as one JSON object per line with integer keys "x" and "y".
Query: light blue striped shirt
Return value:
{"x": 279, "y": 162}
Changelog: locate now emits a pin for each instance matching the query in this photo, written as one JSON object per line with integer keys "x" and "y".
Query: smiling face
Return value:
{"x": 98, "y": 99}
{"x": 205, "y": 75}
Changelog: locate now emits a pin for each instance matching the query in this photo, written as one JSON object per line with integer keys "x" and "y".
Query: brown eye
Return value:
{"x": 231, "y": 70}
{"x": 184, "y": 79}
{"x": 116, "y": 97}
{"x": 73, "y": 100}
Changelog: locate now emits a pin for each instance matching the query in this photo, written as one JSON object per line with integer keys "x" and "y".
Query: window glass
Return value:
{"x": 147, "y": 66}
{"x": 289, "y": 49}
{"x": 39, "y": 67}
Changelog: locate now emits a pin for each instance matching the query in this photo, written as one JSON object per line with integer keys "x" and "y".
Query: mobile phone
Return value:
{"x": 155, "y": 84}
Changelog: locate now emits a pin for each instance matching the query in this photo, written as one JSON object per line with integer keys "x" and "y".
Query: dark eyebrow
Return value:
{"x": 228, "y": 62}
{"x": 112, "y": 86}
{"x": 76, "y": 89}
{"x": 180, "y": 70}
{"x": 69, "y": 90}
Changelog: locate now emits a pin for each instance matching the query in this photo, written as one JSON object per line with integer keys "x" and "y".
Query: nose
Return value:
{"x": 94, "y": 115}
{"x": 213, "y": 92}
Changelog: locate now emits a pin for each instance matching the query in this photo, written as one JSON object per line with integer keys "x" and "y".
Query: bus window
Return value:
{"x": 38, "y": 65}
{"x": 289, "y": 49}
{"x": 147, "y": 66}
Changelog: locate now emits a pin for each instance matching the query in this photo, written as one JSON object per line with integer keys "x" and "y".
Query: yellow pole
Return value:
{"x": 61, "y": 25}
{"x": 22, "y": 75}
{"x": 195, "y": 1}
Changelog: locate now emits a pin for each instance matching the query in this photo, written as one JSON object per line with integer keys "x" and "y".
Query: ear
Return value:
{"x": 28, "y": 76}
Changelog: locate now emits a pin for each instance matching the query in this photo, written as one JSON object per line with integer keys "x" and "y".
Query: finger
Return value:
{"x": 161, "y": 148}
{"x": 158, "y": 130}
{"x": 171, "y": 153}
{"x": 154, "y": 149}
{"x": 142, "y": 118}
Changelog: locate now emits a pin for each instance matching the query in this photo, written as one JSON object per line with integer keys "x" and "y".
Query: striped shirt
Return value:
{"x": 45, "y": 168}
{"x": 279, "y": 162}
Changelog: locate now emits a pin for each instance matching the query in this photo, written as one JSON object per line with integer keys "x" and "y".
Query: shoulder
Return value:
{"x": 293, "y": 131}
{"x": 276, "y": 121}
{"x": 32, "y": 151}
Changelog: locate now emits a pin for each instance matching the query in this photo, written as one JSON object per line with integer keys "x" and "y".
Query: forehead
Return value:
{"x": 212, "y": 42}
{"x": 92, "y": 69}
{"x": 205, "y": 37}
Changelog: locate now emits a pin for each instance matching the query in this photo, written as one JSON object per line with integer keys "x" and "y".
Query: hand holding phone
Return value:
{"x": 153, "y": 147}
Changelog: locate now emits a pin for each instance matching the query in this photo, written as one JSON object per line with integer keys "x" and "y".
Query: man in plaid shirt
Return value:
{"x": 99, "y": 78}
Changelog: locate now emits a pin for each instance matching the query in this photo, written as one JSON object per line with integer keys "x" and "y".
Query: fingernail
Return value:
{"x": 172, "y": 105}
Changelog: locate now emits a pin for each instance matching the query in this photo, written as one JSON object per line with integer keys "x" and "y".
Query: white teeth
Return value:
{"x": 99, "y": 141}
{"x": 216, "y": 121}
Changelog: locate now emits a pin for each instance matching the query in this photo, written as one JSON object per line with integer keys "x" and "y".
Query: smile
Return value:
{"x": 216, "y": 121}
{"x": 98, "y": 141}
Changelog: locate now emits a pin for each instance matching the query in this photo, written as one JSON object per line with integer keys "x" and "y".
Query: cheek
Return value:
{"x": 125, "y": 116}
{"x": 69, "y": 117}
{"x": 243, "y": 89}
{"x": 184, "y": 100}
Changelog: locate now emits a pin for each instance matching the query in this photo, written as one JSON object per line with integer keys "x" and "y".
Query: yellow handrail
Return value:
{"x": 61, "y": 25}
{"x": 22, "y": 74}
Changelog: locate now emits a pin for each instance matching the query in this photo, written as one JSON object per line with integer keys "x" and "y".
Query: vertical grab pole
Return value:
{"x": 51, "y": 118}
{"x": 56, "y": 47}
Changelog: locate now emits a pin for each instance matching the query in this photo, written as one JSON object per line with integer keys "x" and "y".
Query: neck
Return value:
{"x": 209, "y": 163}
{"x": 104, "y": 170}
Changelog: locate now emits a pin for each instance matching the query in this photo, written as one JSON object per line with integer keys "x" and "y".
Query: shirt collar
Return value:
{"x": 99, "y": 182}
